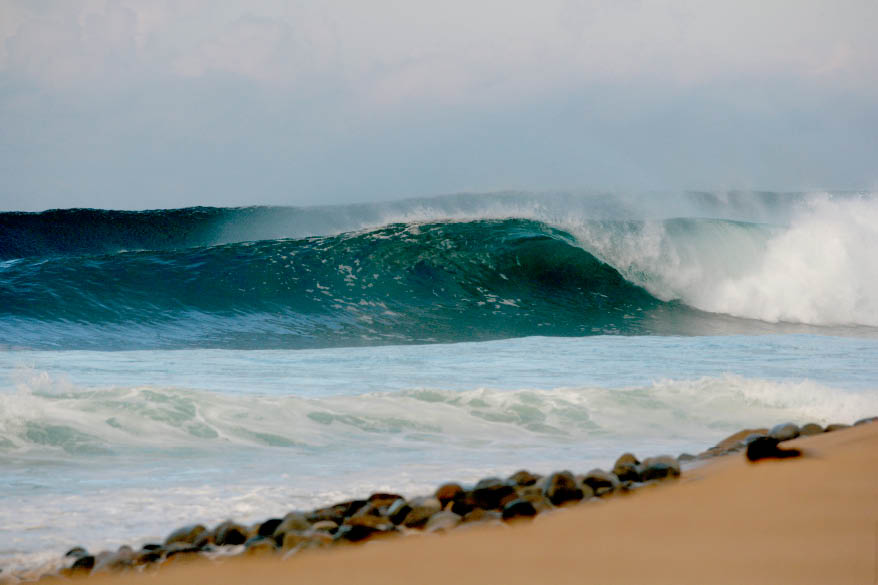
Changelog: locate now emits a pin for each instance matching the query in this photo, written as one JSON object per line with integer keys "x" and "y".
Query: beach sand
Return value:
{"x": 812, "y": 519}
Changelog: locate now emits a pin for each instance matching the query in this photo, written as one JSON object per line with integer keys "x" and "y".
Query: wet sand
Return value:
{"x": 812, "y": 519}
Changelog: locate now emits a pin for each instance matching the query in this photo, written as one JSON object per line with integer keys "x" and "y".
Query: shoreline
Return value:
{"x": 456, "y": 502}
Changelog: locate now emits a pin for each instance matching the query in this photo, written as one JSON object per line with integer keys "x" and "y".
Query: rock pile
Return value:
{"x": 493, "y": 500}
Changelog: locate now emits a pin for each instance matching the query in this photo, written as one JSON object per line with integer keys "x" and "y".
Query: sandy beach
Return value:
{"x": 812, "y": 519}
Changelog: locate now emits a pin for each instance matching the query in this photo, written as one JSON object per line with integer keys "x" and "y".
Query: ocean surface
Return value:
{"x": 165, "y": 367}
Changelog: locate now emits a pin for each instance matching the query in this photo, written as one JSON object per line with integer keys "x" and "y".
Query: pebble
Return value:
{"x": 421, "y": 510}
{"x": 493, "y": 493}
{"x": 518, "y": 509}
{"x": 661, "y": 467}
{"x": 524, "y": 478}
{"x": 601, "y": 482}
{"x": 186, "y": 534}
{"x": 784, "y": 431}
{"x": 561, "y": 488}
{"x": 230, "y": 533}
{"x": 442, "y": 521}
{"x": 449, "y": 492}
{"x": 810, "y": 429}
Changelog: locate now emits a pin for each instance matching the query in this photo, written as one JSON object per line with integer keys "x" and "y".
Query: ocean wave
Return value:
{"x": 444, "y": 270}
{"x": 93, "y": 422}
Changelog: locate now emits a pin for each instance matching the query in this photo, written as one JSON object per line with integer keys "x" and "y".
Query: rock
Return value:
{"x": 324, "y": 526}
{"x": 370, "y": 520}
{"x": 736, "y": 440}
{"x": 146, "y": 556}
{"x": 292, "y": 521}
{"x": 121, "y": 559}
{"x": 864, "y": 421}
{"x": 442, "y": 521}
{"x": 682, "y": 458}
{"x": 260, "y": 545}
{"x": 810, "y": 429}
{"x": 83, "y": 564}
{"x": 76, "y": 552}
{"x": 293, "y": 539}
{"x": 358, "y": 533}
{"x": 448, "y": 492}
{"x": 493, "y": 493}
{"x": 299, "y": 540}
{"x": 601, "y": 482}
{"x": 398, "y": 511}
{"x": 230, "y": 533}
{"x": 421, "y": 510}
{"x": 767, "y": 447}
{"x": 382, "y": 501}
{"x": 331, "y": 513}
{"x": 518, "y": 510}
{"x": 151, "y": 546}
{"x": 535, "y": 496}
{"x": 784, "y": 431}
{"x": 480, "y": 515}
{"x": 836, "y": 427}
{"x": 352, "y": 507}
{"x": 627, "y": 468}
{"x": 561, "y": 488}
{"x": 523, "y": 478}
{"x": 661, "y": 467}
{"x": 186, "y": 534}
{"x": 268, "y": 527}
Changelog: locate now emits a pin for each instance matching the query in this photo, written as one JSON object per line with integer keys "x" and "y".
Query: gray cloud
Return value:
{"x": 131, "y": 104}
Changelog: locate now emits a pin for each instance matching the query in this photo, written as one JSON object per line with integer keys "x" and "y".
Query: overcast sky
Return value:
{"x": 168, "y": 103}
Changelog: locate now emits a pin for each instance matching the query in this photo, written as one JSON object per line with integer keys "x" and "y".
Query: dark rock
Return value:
{"x": 682, "y": 458}
{"x": 121, "y": 559}
{"x": 260, "y": 545}
{"x": 448, "y": 492}
{"x": 83, "y": 564}
{"x": 735, "y": 441}
{"x": 627, "y": 471}
{"x": 358, "y": 533}
{"x": 810, "y": 429}
{"x": 523, "y": 478}
{"x": 309, "y": 539}
{"x": 767, "y": 447}
{"x": 784, "y": 431}
{"x": 535, "y": 496}
{"x": 864, "y": 421}
{"x": 186, "y": 534}
{"x": 519, "y": 509}
{"x": 371, "y": 520}
{"x": 230, "y": 533}
{"x": 626, "y": 458}
{"x": 493, "y": 493}
{"x": 398, "y": 511}
{"x": 442, "y": 522}
{"x": 147, "y": 556}
{"x": 352, "y": 507}
{"x": 661, "y": 467}
{"x": 268, "y": 527}
{"x": 421, "y": 510}
{"x": 331, "y": 513}
{"x": 151, "y": 546}
{"x": 382, "y": 501}
{"x": 480, "y": 515}
{"x": 292, "y": 521}
{"x": 76, "y": 552}
{"x": 326, "y": 526}
{"x": 836, "y": 427}
{"x": 600, "y": 481}
{"x": 561, "y": 487}
{"x": 463, "y": 505}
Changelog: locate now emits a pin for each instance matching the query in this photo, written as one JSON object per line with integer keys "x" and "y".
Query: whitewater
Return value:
{"x": 164, "y": 367}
